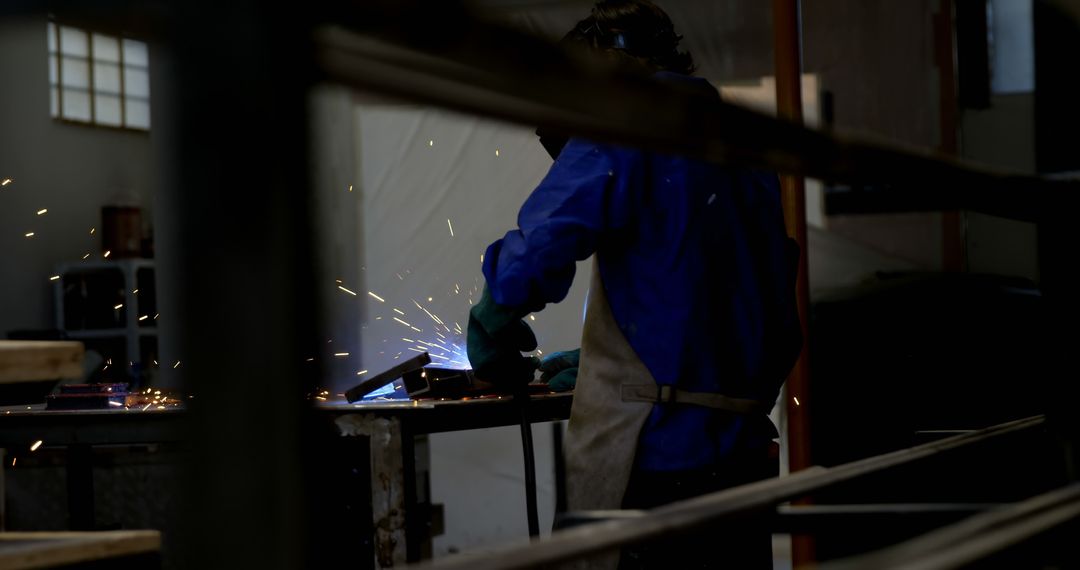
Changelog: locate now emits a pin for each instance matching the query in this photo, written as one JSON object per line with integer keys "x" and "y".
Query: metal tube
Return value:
{"x": 580, "y": 542}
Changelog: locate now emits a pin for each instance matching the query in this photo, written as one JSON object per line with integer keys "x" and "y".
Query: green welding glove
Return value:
{"x": 496, "y": 338}
{"x": 559, "y": 369}
{"x": 564, "y": 381}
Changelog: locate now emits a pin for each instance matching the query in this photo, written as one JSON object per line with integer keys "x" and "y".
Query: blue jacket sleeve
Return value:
{"x": 583, "y": 195}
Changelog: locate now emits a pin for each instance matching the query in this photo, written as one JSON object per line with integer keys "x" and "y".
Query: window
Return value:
{"x": 98, "y": 79}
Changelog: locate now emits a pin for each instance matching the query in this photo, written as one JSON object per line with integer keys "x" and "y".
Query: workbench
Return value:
{"x": 380, "y": 447}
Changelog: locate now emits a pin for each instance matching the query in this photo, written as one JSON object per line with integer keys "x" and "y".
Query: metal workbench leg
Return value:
{"x": 388, "y": 483}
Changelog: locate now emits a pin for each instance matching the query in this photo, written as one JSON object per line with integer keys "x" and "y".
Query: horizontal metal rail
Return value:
{"x": 974, "y": 538}
{"x": 488, "y": 69}
{"x": 678, "y": 517}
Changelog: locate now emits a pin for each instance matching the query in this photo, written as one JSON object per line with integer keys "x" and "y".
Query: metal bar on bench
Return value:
{"x": 583, "y": 541}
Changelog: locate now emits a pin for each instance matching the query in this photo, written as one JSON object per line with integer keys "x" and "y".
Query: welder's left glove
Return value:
{"x": 497, "y": 336}
{"x": 559, "y": 369}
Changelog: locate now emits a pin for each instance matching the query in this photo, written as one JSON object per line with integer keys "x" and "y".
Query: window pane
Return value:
{"x": 136, "y": 82}
{"x": 107, "y": 110}
{"x": 50, "y": 37}
{"x": 73, "y": 41}
{"x": 135, "y": 53}
{"x": 54, "y": 102}
{"x": 53, "y": 79}
{"x": 75, "y": 72}
{"x": 138, "y": 113}
{"x": 106, "y": 77}
{"x": 106, "y": 48}
{"x": 76, "y": 105}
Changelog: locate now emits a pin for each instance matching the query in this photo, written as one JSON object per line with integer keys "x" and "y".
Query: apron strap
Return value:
{"x": 673, "y": 395}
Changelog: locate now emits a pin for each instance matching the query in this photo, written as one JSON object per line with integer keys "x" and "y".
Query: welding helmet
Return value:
{"x": 553, "y": 142}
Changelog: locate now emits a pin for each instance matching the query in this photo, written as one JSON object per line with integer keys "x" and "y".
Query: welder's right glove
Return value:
{"x": 559, "y": 369}
{"x": 497, "y": 336}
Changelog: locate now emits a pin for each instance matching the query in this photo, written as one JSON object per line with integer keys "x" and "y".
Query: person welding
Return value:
{"x": 691, "y": 323}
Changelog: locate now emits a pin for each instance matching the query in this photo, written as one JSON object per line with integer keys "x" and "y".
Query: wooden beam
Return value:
{"x": 28, "y": 360}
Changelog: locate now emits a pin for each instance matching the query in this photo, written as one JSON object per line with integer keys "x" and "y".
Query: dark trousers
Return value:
{"x": 746, "y": 543}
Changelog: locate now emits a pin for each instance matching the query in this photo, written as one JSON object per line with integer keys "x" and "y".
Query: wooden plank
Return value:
{"x": 27, "y": 360}
{"x": 28, "y": 550}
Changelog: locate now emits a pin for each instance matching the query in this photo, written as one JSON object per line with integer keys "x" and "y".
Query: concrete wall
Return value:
{"x": 70, "y": 169}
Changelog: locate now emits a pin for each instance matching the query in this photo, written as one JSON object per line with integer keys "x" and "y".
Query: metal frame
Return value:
{"x": 446, "y": 57}
{"x": 746, "y": 500}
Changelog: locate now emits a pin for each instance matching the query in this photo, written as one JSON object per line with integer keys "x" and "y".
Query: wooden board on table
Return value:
{"x": 28, "y": 360}
{"x": 26, "y": 550}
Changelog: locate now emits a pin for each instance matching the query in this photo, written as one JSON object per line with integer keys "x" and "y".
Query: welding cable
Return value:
{"x": 521, "y": 398}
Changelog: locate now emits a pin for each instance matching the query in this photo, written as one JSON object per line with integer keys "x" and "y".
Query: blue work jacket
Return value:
{"x": 698, "y": 271}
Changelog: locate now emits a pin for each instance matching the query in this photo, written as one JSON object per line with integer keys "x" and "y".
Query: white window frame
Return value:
{"x": 57, "y": 87}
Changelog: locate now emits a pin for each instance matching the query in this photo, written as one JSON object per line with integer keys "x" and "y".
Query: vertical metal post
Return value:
{"x": 952, "y": 223}
{"x": 238, "y": 249}
{"x": 787, "y": 54}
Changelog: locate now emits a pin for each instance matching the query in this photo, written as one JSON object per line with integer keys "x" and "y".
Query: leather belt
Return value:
{"x": 673, "y": 395}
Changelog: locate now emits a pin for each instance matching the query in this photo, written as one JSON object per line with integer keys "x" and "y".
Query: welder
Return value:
{"x": 691, "y": 323}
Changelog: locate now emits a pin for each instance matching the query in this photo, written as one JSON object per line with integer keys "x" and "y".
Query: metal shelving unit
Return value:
{"x": 131, "y": 331}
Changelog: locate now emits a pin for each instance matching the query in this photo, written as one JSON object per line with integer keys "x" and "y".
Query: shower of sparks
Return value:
{"x": 13, "y": 459}
{"x": 350, "y": 187}
{"x": 42, "y": 211}
{"x": 92, "y": 230}
{"x": 144, "y": 317}
{"x": 346, "y": 290}
{"x": 361, "y": 373}
{"x": 496, "y": 152}
{"x": 402, "y": 322}
{"x": 156, "y": 315}
{"x": 54, "y": 278}
{"x": 796, "y": 400}
{"x": 415, "y": 329}
{"x": 117, "y": 307}
{"x": 481, "y": 258}
{"x": 5, "y": 182}
{"x": 376, "y": 297}
{"x": 177, "y": 365}
{"x": 341, "y": 354}
{"x": 86, "y": 256}
{"x": 134, "y": 291}
{"x": 451, "y": 227}
{"x": 400, "y": 312}
{"x": 431, "y": 142}
{"x": 107, "y": 253}
{"x": 29, "y": 234}
{"x": 532, "y": 317}
{"x": 429, "y": 299}
{"x": 416, "y": 349}
{"x": 36, "y": 445}
{"x": 117, "y": 404}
